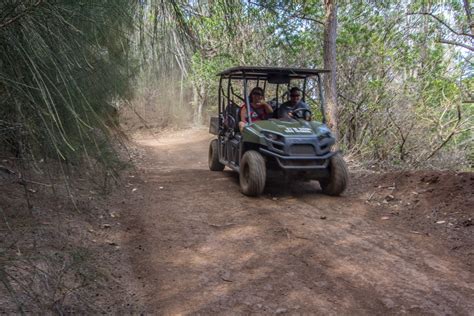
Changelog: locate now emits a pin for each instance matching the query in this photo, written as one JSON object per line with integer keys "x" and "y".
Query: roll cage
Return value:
{"x": 263, "y": 75}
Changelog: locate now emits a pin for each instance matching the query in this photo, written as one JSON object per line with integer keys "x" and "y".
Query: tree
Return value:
{"x": 458, "y": 33}
{"x": 62, "y": 64}
{"x": 330, "y": 63}
{"x": 395, "y": 90}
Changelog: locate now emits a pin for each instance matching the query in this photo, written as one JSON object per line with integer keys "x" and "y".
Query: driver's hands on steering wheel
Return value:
{"x": 305, "y": 114}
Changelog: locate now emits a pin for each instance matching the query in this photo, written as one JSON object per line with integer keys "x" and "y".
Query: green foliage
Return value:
{"x": 401, "y": 86}
{"x": 403, "y": 71}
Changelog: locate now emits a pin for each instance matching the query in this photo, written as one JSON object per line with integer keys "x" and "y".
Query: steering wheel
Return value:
{"x": 301, "y": 113}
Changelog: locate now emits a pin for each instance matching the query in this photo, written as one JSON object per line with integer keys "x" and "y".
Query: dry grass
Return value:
{"x": 55, "y": 256}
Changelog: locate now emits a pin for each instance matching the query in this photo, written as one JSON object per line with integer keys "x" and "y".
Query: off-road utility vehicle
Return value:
{"x": 298, "y": 147}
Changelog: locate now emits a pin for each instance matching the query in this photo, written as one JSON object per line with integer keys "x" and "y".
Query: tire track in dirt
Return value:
{"x": 198, "y": 246}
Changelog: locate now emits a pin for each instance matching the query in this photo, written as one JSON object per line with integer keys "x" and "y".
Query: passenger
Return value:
{"x": 259, "y": 109}
{"x": 287, "y": 109}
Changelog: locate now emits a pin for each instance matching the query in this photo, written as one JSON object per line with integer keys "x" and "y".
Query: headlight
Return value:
{"x": 325, "y": 135}
{"x": 324, "y": 130}
{"x": 272, "y": 136}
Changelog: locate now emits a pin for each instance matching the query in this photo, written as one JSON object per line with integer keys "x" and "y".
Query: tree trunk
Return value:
{"x": 199, "y": 102}
{"x": 195, "y": 103}
{"x": 330, "y": 33}
{"x": 470, "y": 23}
{"x": 202, "y": 100}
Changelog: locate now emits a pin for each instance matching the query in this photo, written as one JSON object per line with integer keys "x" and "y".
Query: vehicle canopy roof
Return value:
{"x": 268, "y": 73}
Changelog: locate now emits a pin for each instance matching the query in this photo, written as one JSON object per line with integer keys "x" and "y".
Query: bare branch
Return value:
{"x": 444, "y": 41}
{"x": 403, "y": 136}
{"x": 347, "y": 99}
{"x": 443, "y": 23}
{"x": 453, "y": 132}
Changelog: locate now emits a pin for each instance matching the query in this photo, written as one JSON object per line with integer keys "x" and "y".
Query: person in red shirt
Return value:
{"x": 259, "y": 109}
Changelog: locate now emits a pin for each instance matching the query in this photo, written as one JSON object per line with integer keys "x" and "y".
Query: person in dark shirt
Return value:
{"x": 287, "y": 109}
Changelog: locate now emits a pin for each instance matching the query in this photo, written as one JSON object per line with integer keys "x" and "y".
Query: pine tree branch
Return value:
{"x": 21, "y": 14}
{"x": 297, "y": 16}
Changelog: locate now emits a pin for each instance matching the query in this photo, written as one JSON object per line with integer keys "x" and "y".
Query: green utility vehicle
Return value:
{"x": 301, "y": 148}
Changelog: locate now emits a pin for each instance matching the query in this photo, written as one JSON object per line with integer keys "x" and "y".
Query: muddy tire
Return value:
{"x": 253, "y": 173}
{"x": 214, "y": 163}
{"x": 338, "y": 176}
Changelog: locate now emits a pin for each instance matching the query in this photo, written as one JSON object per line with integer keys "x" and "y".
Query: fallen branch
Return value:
{"x": 453, "y": 132}
{"x": 23, "y": 181}
{"x": 6, "y": 170}
{"x": 139, "y": 116}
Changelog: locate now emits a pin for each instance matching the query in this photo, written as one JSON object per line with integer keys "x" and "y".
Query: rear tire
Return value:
{"x": 213, "y": 158}
{"x": 338, "y": 176}
{"x": 253, "y": 173}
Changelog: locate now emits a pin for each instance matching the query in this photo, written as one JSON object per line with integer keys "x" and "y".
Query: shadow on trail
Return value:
{"x": 201, "y": 247}
{"x": 206, "y": 248}
{"x": 277, "y": 185}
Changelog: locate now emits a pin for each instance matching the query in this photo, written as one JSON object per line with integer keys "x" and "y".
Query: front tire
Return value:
{"x": 253, "y": 173}
{"x": 338, "y": 176}
{"x": 213, "y": 158}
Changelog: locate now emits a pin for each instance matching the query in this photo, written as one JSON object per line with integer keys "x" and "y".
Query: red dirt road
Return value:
{"x": 198, "y": 246}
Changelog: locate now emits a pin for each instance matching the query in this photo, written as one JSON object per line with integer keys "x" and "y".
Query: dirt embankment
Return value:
{"x": 175, "y": 238}
{"x": 60, "y": 255}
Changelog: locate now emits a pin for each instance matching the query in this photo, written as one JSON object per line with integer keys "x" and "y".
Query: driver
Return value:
{"x": 286, "y": 110}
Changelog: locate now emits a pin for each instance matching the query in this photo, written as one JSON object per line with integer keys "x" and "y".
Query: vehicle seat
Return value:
{"x": 232, "y": 116}
{"x": 275, "y": 106}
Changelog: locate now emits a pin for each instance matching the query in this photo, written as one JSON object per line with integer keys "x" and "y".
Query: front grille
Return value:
{"x": 302, "y": 149}
{"x": 302, "y": 163}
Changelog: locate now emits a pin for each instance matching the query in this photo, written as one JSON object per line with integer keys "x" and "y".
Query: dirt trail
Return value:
{"x": 198, "y": 246}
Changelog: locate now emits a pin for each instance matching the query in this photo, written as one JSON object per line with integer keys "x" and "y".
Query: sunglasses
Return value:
{"x": 257, "y": 94}
{"x": 295, "y": 95}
